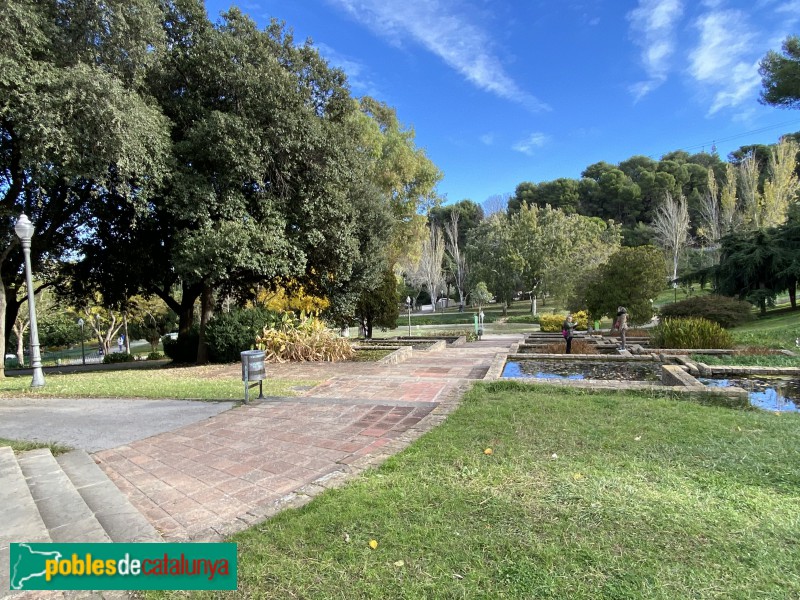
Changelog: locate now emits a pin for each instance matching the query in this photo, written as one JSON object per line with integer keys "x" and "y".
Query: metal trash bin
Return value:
{"x": 253, "y": 369}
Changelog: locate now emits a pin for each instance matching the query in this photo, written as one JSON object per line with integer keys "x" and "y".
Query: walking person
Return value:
{"x": 567, "y": 330}
{"x": 621, "y": 323}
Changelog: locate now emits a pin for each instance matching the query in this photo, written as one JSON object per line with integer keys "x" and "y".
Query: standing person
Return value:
{"x": 567, "y": 330}
{"x": 622, "y": 323}
{"x": 121, "y": 342}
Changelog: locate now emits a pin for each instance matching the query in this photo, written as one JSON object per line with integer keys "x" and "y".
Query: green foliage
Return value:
{"x": 58, "y": 329}
{"x": 728, "y": 312}
{"x": 155, "y": 356}
{"x": 690, "y": 333}
{"x": 118, "y": 357}
{"x": 183, "y": 349}
{"x": 522, "y": 319}
{"x": 550, "y": 323}
{"x": 230, "y": 333}
{"x": 780, "y": 75}
{"x": 301, "y": 340}
{"x": 632, "y": 278}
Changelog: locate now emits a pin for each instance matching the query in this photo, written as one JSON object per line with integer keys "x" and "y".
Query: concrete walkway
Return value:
{"x": 216, "y": 476}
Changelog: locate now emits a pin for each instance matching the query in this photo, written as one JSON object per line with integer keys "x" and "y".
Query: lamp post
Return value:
{"x": 83, "y": 352}
{"x": 408, "y": 306}
{"x": 24, "y": 229}
{"x": 442, "y": 299}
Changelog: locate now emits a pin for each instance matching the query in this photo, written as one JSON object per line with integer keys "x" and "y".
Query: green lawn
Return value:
{"x": 188, "y": 383}
{"x": 584, "y": 496}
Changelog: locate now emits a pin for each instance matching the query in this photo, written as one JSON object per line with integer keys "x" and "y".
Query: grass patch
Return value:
{"x": 370, "y": 355}
{"x": 749, "y": 360}
{"x": 184, "y": 383}
{"x": 585, "y": 496}
{"x": 780, "y": 328}
{"x": 22, "y": 446}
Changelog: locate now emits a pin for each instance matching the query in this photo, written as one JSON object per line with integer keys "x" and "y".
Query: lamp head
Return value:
{"x": 24, "y": 228}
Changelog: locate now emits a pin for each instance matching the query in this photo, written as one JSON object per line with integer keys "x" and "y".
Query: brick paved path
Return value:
{"x": 207, "y": 480}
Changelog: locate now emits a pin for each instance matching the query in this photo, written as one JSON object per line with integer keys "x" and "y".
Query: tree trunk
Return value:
{"x": 206, "y": 312}
{"x": 793, "y": 295}
{"x": 2, "y": 328}
{"x": 125, "y": 329}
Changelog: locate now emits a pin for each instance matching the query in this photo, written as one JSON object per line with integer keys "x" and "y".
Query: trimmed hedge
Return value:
{"x": 723, "y": 310}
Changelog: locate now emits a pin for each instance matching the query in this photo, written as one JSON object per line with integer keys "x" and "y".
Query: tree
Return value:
{"x": 494, "y": 258}
{"x": 74, "y": 124}
{"x": 782, "y": 184}
{"x": 455, "y": 256}
{"x": 431, "y": 262}
{"x": 671, "y": 226}
{"x": 752, "y": 206}
{"x": 749, "y": 267}
{"x": 381, "y": 307}
{"x": 632, "y": 278}
{"x": 780, "y": 75}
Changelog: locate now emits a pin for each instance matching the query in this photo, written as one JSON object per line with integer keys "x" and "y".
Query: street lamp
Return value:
{"x": 83, "y": 352}
{"x": 408, "y": 306}
{"x": 442, "y": 299}
{"x": 24, "y": 229}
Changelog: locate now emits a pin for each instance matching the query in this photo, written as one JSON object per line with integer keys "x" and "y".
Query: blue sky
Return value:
{"x": 504, "y": 91}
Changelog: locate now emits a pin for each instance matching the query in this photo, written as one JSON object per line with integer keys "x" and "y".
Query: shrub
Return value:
{"x": 118, "y": 357}
{"x": 521, "y": 319}
{"x": 228, "y": 334}
{"x": 182, "y": 349}
{"x": 304, "y": 339}
{"x": 553, "y": 323}
{"x": 690, "y": 333}
{"x": 155, "y": 356}
{"x": 550, "y": 323}
{"x": 726, "y": 311}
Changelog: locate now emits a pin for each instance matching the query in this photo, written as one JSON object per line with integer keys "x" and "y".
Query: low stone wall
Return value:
{"x": 676, "y": 375}
{"x": 398, "y": 355}
{"x": 495, "y": 370}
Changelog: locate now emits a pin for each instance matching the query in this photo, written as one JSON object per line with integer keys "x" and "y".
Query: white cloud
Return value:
{"x": 723, "y": 59}
{"x": 653, "y": 25}
{"x": 438, "y": 27}
{"x": 487, "y": 139}
{"x": 358, "y": 75}
{"x": 531, "y": 143}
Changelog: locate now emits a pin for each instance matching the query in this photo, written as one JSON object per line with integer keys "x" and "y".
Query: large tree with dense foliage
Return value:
{"x": 632, "y": 278}
{"x": 270, "y": 181}
{"x": 780, "y": 75}
{"x": 75, "y": 124}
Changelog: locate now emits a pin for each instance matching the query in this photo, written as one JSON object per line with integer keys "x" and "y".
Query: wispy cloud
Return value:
{"x": 439, "y": 27}
{"x": 723, "y": 59}
{"x": 531, "y": 143}
{"x": 358, "y": 75}
{"x": 653, "y": 25}
{"x": 487, "y": 139}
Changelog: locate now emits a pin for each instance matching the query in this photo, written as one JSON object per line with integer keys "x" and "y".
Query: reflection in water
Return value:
{"x": 567, "y": 369}
{"x": 770, "y": 394}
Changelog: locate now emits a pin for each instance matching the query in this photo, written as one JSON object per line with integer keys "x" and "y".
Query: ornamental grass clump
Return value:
{"x": 692, "y": 332}
{"x": 307, "y": 339}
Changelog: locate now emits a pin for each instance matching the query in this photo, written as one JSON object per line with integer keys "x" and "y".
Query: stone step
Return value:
{"x": 120, "y": 519}
{"x": 62, "y": 509}
{"x": 21, "y": 520}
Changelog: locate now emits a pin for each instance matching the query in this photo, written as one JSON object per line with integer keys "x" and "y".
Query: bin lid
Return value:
{"x": 253, "y": 354}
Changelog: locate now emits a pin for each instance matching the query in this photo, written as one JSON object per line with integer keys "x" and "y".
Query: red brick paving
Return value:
{"x": 212, "y": 478}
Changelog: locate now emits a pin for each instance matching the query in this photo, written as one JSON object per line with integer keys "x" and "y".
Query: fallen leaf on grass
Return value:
{"x": 346, "y": 537}
{"x": 399, "y": 563}
{"x": 487, "y": 451}
{"x": 554, "y": 455}
{"x": 373, "y": 544}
